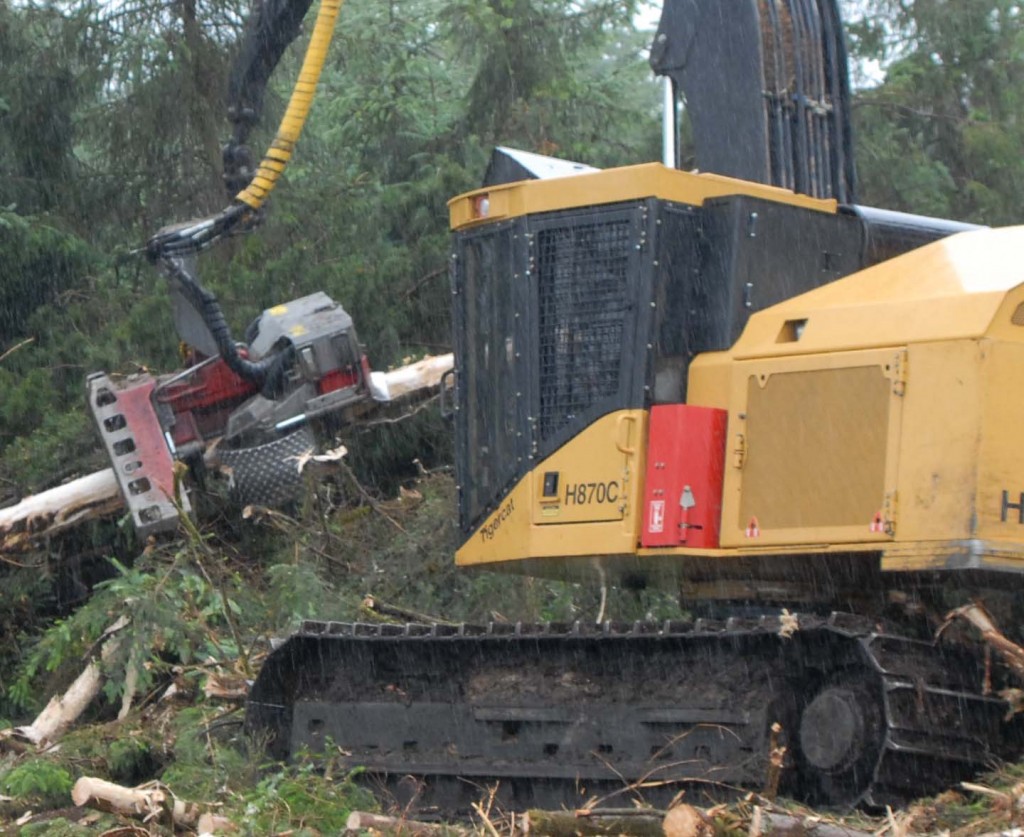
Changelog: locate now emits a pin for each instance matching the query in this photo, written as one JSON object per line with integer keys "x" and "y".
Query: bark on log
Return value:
{"x": 786, "y": 825}
{"x": 681, "y": 821}
{"x": 569, "y": 823}
{"x": 50, "y": 512}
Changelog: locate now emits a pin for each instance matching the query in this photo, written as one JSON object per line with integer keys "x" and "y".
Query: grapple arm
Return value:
{"x": 273, "y": 25}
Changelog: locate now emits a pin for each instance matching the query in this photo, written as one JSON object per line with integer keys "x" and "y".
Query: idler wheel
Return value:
{"x": 832, "y": 730}
{"x": 840, "y": 738}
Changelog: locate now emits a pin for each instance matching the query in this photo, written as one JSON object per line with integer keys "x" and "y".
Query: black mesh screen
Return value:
{"x": 582, "y": 272}
{"x": 488, "y": 419}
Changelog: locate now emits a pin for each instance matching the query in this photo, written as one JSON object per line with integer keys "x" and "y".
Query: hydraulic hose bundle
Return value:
{"x": 170, "y": 245}
{"x": 280, "y": 151}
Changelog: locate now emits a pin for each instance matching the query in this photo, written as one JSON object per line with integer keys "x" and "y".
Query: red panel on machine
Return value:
{"x": 685, "y": 463}
{"x": 153, "y": 464}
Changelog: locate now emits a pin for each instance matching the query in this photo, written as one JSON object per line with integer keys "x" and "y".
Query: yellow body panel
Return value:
{"x": 594, "y": 511}
{"x": 999, "y": 501}
{"x": 650, "y": 180}
{"x": 939, "y": 458}
{"x": 812, "y": 449}
{"x": 950, "y": 289}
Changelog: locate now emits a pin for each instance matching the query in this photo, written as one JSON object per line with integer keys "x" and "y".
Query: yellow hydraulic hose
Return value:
{"x": 280, "y": 151}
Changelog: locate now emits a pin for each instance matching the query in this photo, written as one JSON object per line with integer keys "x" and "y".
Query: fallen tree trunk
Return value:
{"x": 97, "y": 495}
{"x": 365, "y": 821}
{"x": 637, "y": 823}
{"x": 424, "y": 375}
{"x": 147, "y": 801}
{"x": 50, "y": 512}
{"x": 681, "y": 821}
{"x": 787, "y": 825}
{"x": 63, "y": 710}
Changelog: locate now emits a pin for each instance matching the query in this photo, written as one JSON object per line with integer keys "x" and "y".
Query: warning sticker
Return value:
{"x": 656, "y": 517}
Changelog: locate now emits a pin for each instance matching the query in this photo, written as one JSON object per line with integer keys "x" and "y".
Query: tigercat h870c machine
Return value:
{"x": 801, "y": 413}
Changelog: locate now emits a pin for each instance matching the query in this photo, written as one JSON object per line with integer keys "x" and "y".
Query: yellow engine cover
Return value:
{"x": 880, "y": 413}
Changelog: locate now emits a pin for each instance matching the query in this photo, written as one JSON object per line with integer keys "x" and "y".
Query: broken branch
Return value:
{"x": 147, "y": 801}
{"x": 976, "y": 615}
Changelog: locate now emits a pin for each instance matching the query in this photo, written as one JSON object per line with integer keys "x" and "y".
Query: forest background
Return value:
{"x": 112, "y": 117}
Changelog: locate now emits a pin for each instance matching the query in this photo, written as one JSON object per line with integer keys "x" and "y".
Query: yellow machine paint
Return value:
{"x": 511, "y": 200}
{"x": 591, "y": 511}
{"x": 279, "y": 153}
{"x": 877, "y": 416}
{"x": 893, "y": 418}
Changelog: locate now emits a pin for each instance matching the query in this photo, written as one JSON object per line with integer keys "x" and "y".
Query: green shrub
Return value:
{"x": 41, "y": 782}
{"x": 304, "y": 797}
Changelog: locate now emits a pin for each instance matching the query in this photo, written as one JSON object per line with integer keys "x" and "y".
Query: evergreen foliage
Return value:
{"x": 940, "y": 134}
{"x": 41, "y": 781}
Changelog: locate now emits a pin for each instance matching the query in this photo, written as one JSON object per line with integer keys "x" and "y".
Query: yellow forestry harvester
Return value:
{"x": 802, "y": 413}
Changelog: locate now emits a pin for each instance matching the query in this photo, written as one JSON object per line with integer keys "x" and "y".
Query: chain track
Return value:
{"x": 556, "y": 714}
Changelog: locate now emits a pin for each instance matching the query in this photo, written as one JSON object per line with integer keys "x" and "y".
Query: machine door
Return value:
{"x": 812, "y": 449}
{"x": 547, "y": 344}
{"x": 492, "y": 356}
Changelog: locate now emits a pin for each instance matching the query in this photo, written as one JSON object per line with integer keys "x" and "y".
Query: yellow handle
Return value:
{"x": 280, "y": 151}
{"x": 627, "y": 422}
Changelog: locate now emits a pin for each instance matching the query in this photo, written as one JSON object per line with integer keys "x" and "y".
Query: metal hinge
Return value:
{"x": 889, "y": 509}
{"x": 739, "y": 451}
{"x": 898, "y": 373}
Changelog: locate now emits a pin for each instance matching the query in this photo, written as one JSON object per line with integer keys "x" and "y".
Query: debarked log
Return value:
{"x": 52, "y": 511}
{"x": 148, "y": 802}
{"x": 360, "y": 821}
{"x": 63, "y": 710}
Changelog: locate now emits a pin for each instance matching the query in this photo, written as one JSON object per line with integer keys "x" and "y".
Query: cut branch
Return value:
{"x": 593, "y": 822}
{"x": 1011, "y": 653}
{"x": 6, "y": 354}
{"x": 364, "y": 821}
{"x": 148, "y": 802}
{"x": 379, "y": 608}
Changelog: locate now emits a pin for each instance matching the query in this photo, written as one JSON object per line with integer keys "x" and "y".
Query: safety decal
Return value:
{"x": 656, "y": 517}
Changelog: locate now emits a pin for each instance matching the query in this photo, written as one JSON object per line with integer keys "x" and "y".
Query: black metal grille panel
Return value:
{"x": 582, "y": 272}
{"x": 489, "y": 342}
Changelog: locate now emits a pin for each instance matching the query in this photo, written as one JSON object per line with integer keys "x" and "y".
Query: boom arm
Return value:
{"x": 267, "y": 34}
{"x": 767, "y": 89}
{"x": 274, "y": 26}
